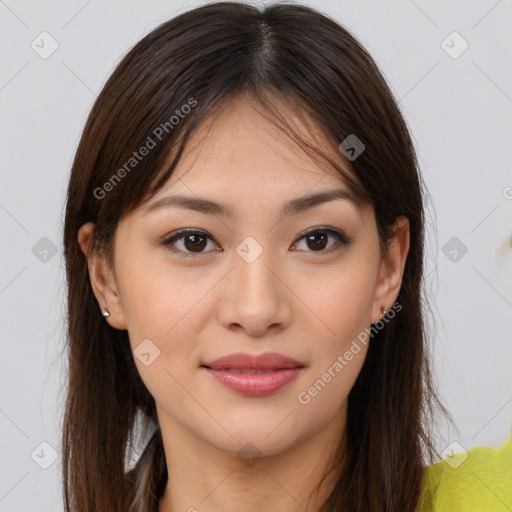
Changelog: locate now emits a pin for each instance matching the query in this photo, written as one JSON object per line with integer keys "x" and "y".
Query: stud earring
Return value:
{"x": 105, "y": 312}
{"x": 384, "y": 311}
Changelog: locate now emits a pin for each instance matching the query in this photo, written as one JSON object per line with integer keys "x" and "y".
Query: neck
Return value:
{"x": 206, "y": 479}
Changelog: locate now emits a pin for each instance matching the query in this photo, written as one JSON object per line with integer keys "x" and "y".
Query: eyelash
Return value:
{"x": 342, "y": 240}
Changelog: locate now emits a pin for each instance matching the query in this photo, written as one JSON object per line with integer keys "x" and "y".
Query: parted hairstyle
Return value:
{"x": 283, "y": 55}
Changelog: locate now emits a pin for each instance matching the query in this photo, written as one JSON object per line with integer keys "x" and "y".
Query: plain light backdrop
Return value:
{"x": 448, "y": 64}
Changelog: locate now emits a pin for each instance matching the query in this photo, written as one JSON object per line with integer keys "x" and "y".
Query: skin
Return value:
{"x": 302, "y": 300}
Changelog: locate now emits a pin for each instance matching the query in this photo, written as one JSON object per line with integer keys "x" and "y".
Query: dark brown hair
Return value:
{"x": 282, "y": 55}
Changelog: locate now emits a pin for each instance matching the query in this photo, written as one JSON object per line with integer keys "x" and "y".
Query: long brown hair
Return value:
{"x": 182, "y": 71}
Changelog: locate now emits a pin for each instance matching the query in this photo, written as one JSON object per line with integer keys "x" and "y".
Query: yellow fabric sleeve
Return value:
{"x": 479, "y": 480}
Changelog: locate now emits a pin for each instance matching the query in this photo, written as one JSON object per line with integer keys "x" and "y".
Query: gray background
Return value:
{"x": 459, "y": 110}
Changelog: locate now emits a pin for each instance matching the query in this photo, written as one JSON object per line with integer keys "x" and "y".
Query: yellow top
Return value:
{"x": 479, "y": 480}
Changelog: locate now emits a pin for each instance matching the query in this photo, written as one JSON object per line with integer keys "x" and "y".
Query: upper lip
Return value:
{"x": 242, "y": 361}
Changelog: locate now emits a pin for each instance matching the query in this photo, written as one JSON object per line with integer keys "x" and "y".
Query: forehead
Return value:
{"x": 238, "y": 146}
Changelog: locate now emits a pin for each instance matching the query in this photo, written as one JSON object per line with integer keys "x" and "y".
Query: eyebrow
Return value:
{"x": 291, "y": 207}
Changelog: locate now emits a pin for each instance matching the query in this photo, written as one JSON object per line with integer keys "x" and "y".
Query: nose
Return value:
{"x": 254, "y": 297}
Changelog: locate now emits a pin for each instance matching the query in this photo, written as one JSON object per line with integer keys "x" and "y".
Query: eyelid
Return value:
{"x": 339, "y": 234}
{"x": 181, "y": 233}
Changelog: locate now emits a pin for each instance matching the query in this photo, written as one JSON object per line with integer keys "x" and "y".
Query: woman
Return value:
{"x": 244, "y": 237}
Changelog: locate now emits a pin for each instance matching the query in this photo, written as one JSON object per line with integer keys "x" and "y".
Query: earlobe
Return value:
{"x": 392, "y": 267}
{"x": 102, "y": 280}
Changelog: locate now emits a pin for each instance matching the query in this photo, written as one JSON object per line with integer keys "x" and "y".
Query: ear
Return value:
{"x": 102, "y": 279}
{"x": 392, "y": 269}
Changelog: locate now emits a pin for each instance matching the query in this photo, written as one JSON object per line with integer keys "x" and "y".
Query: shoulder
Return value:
{"x": 479, "y": 480}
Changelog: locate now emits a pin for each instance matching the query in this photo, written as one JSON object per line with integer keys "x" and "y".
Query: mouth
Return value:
{"x": 247, "y": 363}
{"x": 247, "y": 370}
{"x": 251, "y": 375}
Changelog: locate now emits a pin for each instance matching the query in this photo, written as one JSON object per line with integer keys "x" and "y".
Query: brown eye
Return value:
{"x": 317, "y": 239}
{"x": 193, "y": 242}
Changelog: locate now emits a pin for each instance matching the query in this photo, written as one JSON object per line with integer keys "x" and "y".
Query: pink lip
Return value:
{"x": 242, "y": 361}
{"x": 280, "y": 370}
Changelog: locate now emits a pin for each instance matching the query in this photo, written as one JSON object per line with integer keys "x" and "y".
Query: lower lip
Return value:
{"x": 255, "y": 384}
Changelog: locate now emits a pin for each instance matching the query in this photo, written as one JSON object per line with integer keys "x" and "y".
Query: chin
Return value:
{"x": 253, "y": 442}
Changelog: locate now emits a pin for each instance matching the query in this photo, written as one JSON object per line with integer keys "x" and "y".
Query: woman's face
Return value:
{"x": 248, "y": 281}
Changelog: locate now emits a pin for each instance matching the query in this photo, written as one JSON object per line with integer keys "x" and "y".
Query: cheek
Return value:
{"x": 166, "y": 310}
{"x": 335, "y": 366}
{"x": 157, "y": 297}
{"x": 324, "y": 396}
{"x": 342, "y": 308}
{"x": 340, "y": 302}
